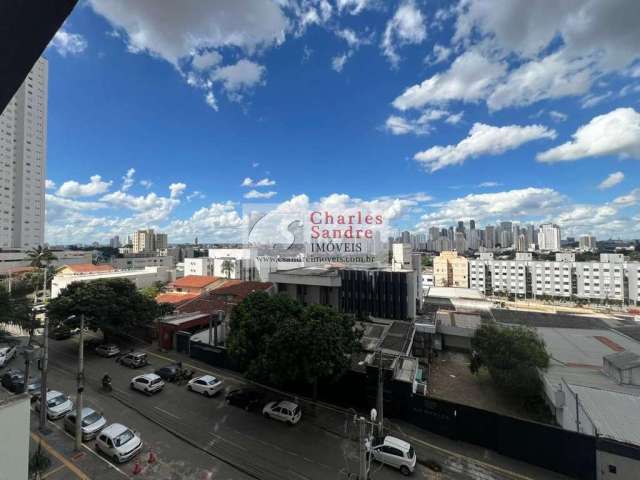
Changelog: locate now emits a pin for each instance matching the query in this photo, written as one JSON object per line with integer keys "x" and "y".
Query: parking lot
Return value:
{"x": 192, "y": 436}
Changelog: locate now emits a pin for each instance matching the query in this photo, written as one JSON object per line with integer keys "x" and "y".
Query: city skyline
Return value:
{"x": 175, "y": 135}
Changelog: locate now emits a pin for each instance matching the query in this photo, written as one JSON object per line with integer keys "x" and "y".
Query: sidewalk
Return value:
{"x": 67, "y": 464}
{"x": 453, "y": 456}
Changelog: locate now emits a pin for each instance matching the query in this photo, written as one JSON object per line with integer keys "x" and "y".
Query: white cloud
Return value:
{"x": 255, "y": 164}
{"x": 407, "y": 26}
{"x": 255, "y": 194}
{"x": 207, "y": 60}
{"x": 352, "y": 6}
{"x": 611, "y": 181}
{"x": 440, "y": 54}
{"x": 242, "y": 75}
{"x": 338, "y": 62}
{"x": 592, "y": 100}
{"x": 146, "y": 184}
{"x": 454, "y": 118}
{"x": 127, "y": 180}
{"x": 614, "y": 133}
{"x": 470, "y": 78}
{"x": 176, "y": 30}
{"x": 177, "y": 189}
{"x": 482, "y": 140}
{"x": 66, "y": 43}
{"x": 265, "y": 182}
{"x": 558, "y": 116}
{"x": 49, "y": 184}
{"x": 630, "y": 199}
{"x": 71, "y": 188}
{"x": 401, "y": 126}
{"x": 350, "y": 37}
{"x": 211, "y": 100}
{"x": 68, "y": 203}
{"x": 196, "y": 194}
{"x": 551, "y": 77}
{"x": 489, "y": 184}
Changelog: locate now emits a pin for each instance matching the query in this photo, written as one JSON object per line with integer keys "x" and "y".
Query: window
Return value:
{"x": 613, "y": 469}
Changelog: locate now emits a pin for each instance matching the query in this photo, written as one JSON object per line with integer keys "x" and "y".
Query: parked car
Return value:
{"x": 148, "y": 383}
{"x": 134, "y": 359}
{"x": 13, "y": 380}
{"x": 58, "y": 404}
{"x": 118, "y": 442}
{"x": 60, "y": 333}
{"x": 92, "y": 423}
{"x": 7, "y": 352}
{"x": 169, "y": 373}
{"x": 206, "y": 385}
{"x": 107, "y": 350}
{"x": 247, "y": 398}
{"x": 284, "y": 411}
{"x": 393, "y": 452}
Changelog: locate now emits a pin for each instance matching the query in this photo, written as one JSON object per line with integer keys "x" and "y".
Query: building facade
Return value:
{"x": 549, "y": 237}
{"x": 450, "y": 270}
{"x": 23, "y": 158}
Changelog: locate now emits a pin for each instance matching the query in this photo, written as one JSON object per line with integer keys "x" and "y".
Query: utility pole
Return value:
{"x": 45, "y": 364}
{"x": 80, "y": 389}
{"x": 380, "y": 396}
{"x": 362, "y": 431}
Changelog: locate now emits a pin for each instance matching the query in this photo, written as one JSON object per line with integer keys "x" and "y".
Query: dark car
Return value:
{"x": 168, "y": 373}
{"x": 13, "y": 380}
{"x": 60, "y": 333}
{"x": 247, "y": 398}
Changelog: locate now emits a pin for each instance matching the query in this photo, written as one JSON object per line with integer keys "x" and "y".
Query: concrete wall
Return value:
{"x": 14, "y": 446}
{"x": 624, "y": 468}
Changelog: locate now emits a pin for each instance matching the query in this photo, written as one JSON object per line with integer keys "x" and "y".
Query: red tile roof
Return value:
{"x": 241, "y": 289}
{"x": 195, "y": 281}
{"x": 175, "y": 298}
{"x": 217, "y": 299}
{"x": 89, "y": 268}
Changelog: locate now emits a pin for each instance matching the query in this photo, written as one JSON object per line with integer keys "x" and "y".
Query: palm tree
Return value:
{"x": 40, "y": 254}
{"x": 227, "y": 267}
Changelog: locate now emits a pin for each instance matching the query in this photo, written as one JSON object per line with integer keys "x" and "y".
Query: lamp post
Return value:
{"x": 79, "y": 384}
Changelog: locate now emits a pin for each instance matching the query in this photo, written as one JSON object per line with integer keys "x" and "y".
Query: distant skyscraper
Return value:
{"x": 461, "y": 242}
{"x": 490, "y": 236}
{"x": 472, "y": 224}
{"x": 114, "y": 242}
{"x": 549, "y": 237}
{"x": 460, "y": 227}
{"x": 23, "y": 159}
{"x": 587, "y": 243}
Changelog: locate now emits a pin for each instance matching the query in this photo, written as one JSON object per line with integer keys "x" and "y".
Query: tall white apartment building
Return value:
{"x": 549, "y": 237}
{"x": 587, "y": 243}
{"x": 603, "y": 280}
{"x": 554, "y": 278}
{"x": 632, "y": 274}
{"x": 201, "y": 266}
{"x": 23, "y": 159}
{"x": 148, "y": 241}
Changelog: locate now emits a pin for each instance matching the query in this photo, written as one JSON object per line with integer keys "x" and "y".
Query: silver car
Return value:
{"x": 58, "y": 404}
{"x": 7, "y": 352}
{"x": 92, "y": 423}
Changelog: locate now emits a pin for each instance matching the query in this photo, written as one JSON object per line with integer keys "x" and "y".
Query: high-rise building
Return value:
{"x": 460, "y": 242}
{"x": 472, "y": 224}
{"x": 23, "y": 159}
{"x": 161, "y": 241}
{"x": 490, "y": 236}
{"x": 405, "y": 237}
{"x": 587, "y": 243}
{"x": 460, "y": 227}
{"x": 114, "y": 242}
{"x": 149, "y": 241}
{"x": 549, "y": 237}
{"x": 450, "y": 270}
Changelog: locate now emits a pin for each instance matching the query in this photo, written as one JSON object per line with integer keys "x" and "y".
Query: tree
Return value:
{"x": 15, "y": 308}
{"x": 513, "y": 356}
{"x": 227, "y": 267}
{"x": 112, "y": 305}
{"x": 40, "y": 256}
{"x": 275, "y": 339}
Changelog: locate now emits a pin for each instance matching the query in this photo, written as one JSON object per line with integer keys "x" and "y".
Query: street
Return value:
{"x": 195, "y": 437}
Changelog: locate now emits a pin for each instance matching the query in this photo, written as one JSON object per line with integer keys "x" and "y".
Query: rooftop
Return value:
{"x": 175, "y": 298}
{"x": 310, "y": 271}
{"x": 453, "y": 292}
{"x": 195, "y": 281}
{"x": 88, "y": 268}
{"x": 615, "y": 415}
{"x": 624, "y": 360}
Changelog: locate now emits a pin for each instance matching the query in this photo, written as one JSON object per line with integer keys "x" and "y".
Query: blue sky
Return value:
{"x": 429, "y": 111}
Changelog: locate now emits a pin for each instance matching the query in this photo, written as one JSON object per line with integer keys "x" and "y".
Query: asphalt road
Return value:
{"x": 194, "y": 435}
{"x": 200, "y": 438}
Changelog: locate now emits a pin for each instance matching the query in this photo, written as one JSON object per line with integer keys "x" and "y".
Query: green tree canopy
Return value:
{"x": 227, "y": 267}
{"x": 39, "y": 256}
{"x": 277, "y": 340}
{"x": 112, "y": 305}
{"x": 15, "y": 307}
{"x": 512, "y": 355}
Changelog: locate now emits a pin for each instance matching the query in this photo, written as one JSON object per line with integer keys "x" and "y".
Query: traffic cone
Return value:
{"x": 152, "y": 457}
{"x": 137, "y": 468}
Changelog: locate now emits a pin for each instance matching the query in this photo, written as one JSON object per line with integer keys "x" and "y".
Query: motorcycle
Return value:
{"x": 106, "y": 384}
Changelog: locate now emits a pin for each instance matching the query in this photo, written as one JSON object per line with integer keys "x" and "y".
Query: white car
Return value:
{"x": 118, "y": 442}
{"x": 58, "y": 404}
{"x": 394, "y": 452}
{"x": 7, "y": 352}
{"x": 148, "y": 383}
{"x": 284, "y": 411}
{"x": 92, "y": 423}
{"x": 107, "y": 350}
{"x": 206, "y": 385}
